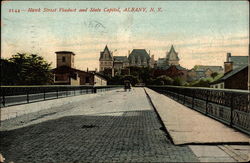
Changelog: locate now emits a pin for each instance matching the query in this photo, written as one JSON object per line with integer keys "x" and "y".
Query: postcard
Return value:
{"x": 124, "y": 81}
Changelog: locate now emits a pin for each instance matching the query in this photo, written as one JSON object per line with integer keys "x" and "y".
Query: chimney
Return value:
{"x": 87, "y": 69}
{"x": 229, "y": 57}
{"x": 228, "y": 65}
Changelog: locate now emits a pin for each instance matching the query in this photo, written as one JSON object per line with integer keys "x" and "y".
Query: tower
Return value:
{"x": 172, "y": 57}
{"x": 106, "y": 59}
{"x": 65, "y": 58}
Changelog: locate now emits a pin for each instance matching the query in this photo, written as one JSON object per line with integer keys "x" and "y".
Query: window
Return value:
{"x": 87, "y": 80}
{"x": 63, "y": 59}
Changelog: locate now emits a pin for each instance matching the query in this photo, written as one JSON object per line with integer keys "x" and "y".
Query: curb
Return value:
{"x": 163, "y": 128}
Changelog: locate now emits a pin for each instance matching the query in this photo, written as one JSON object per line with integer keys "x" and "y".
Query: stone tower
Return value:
{"x": 172, "y": 57}
{"x": 65, "y": 58}
{"x": 106, "y": 59}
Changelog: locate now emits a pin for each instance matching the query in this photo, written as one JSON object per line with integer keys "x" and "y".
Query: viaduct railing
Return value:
{"x": 231, "y": 107}
{"x": 16, "y": 95}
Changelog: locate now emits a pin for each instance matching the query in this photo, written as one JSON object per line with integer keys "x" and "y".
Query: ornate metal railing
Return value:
{"x": 231, "y": 107}
{"x": 16, "y": 95}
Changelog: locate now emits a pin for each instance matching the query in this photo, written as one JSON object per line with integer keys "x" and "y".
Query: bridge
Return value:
{"x": 146, "y": 124}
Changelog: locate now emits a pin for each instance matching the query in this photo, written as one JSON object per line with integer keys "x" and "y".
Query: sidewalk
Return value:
{"x": 187, "y": 126}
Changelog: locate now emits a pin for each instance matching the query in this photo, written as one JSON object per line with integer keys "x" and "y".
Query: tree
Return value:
{"x": 8, "y": 72}
{"x": 214, "y": 74}
{"x": 178, "y": 82}
{"x": 196, "y": 67}
{"x": 31, "y": 70}
{"x": 133, "y": 79}
{"x": 201, "y": 83}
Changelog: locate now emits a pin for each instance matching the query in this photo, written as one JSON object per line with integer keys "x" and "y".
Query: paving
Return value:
{"x": 187, "y": 126}
{"x": 210, "y": 138}
{"x": 113, "y": 127}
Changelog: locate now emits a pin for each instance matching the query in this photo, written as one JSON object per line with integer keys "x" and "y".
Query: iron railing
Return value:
{"x": 16, "y": 95}
{"x": 231, "y": 107}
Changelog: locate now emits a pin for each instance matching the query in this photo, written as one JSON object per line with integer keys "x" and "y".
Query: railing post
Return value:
{"x": 184, "y": 97}
{"x": 231, "y": 109}
{"x": 207, "y": 92}
{"x": 27, "y": 96}
{"x": 57, "y": 93}
{"x": 94, "y": 90}
{"x": 74, "y": 91}
{"x": 193, "y": 99}
{"x": 178, "y": 95}
{"x": 3, "y": 102}
{"x": 44, "y": 94}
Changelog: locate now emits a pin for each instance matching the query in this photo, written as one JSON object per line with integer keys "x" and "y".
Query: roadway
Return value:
{"x": 113, "y": 126}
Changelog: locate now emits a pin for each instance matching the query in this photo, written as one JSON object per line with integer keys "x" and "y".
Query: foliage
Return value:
{"x": 214, "y": 74}
{"x": 28, "y": 69}
{"x": 133, "y": 79}
{"x": 178, "y": 82}
{"x": 201, "y": 83}
{"x": 196, "y": 67}
{"x": 163, "y": 80}
{"x": 9, "y": 72}
{"x": 116, "y": 80}
{"x": 119, "y": 79}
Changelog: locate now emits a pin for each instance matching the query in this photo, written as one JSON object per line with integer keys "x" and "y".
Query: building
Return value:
{"x": 203, "y": 71}
{"x": 235, "y": 73}
{"x": 66, "y": 74}
{"x": 65, "y": 58}
{"x": 238, "y": 61}
{"x": 170, "y": 66}
{"x": 170, "y": 59}
{"x": 140, "y": 58}
{"x": 120, "y": 62}
{"x": 235, "y": 79}
{"x": 106, "y": 59}
{"x": 173, "y": 71}
{"x": 208, "y": 70}
{"x": 113, "y": 65}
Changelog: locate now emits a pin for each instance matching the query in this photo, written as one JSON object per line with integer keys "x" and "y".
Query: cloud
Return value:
{"x": 198, "y": 50}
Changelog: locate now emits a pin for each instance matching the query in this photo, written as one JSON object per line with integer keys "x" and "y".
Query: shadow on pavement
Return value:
{"x": 134, "y": 136}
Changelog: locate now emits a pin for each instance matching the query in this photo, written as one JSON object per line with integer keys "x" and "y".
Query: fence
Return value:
{"x": 231, "y": 107}
{"x": 15, "y": 95}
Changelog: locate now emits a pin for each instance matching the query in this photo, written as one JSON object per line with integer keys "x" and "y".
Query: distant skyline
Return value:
{"x": 201, "y": 32}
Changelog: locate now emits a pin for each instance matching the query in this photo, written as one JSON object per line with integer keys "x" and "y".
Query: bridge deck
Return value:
{"x": 187, "y": 126}
{"x": 114, "y": 126}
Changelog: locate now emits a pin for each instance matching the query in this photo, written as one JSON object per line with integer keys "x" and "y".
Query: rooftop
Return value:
{"x": 65, "y": 52}
{"x": 142, "y": 53}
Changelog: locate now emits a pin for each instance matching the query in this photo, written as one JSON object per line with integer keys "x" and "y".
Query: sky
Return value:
{"x": 202, "y": 32}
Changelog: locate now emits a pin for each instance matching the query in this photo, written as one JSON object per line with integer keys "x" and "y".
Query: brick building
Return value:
{"x": 172, "y": 71}
{"x": 66, "y": 74}
{"x": 236, "y": 73}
